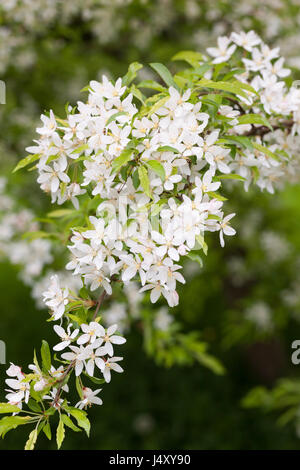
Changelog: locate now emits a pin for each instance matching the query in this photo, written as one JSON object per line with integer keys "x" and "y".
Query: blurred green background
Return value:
{"x": 245, "y": 301}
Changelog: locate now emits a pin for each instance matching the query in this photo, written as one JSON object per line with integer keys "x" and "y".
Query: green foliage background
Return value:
{"x": 149, "y": 406}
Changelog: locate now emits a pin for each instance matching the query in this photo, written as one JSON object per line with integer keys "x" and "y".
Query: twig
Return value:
{"x": 61, "y": 380}
{"x": 262, "y": 130}
{"x": 99, "y": 303}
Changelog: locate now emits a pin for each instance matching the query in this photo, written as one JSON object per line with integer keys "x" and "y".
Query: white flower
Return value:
{"x": 91, "y": 331}
{"x": 52, "y": 176}
{"x": 67, "y": 337}
{"x": 109, "y": 338}
{"x": 111, "y": 364}
{"x": 223, "y": 52}
{"x": 78, "y": 356}
{"x": 56, "y": 298}
{"x": 20, "y": 390}
{"x": 246, "y": 40}
{"x": 89, "y": 398}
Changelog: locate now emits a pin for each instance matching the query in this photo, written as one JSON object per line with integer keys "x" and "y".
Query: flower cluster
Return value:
{"x": 143, "y": 176}
{"x": 90, "y": 346}
{"x": 168, "y": 161}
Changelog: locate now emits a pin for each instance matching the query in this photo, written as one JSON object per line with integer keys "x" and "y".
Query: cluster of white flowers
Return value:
{"x": 264, "y": 71}
{"x": 90, "y": 347}
{"x": 182, "y": 155}
{"x": 111, "y": 249}
{"x": 144, "y": 182}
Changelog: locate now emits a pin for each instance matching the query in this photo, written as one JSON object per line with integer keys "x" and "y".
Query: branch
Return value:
{"x": 262, "y": 130}
{"x": 61, "y": 380}
{"x": 99, "y": 303}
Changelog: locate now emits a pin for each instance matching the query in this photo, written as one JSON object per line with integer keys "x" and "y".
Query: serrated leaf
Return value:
{"x": 47, "y": 430}
{"x": 31, "y": 440}
{"x": 266, "y": 151}
{"x": 254, "y": 119}
{"x": 95, "y": 380}
{"x": 152, "y": 85}
{"x": 191, "y": 57}
{"x": 158, "y": 168}
{"x": 201, "y": 243}
{"x": 237, "y": 88}
{"x": 137, "y": 94}
{"x": 115, "y": 116}
{"x": 165, "y": 74}
{"x": 46, "y": 356}
{"x": 79, "y": 388}
{"x": 167, "y": 148}
{"x": 81, "y": 418}
{"x": 194, "y": 256}
{"x": 217, "y": 196}
{"x": 60, "y": 433}
{"x": 231, "y": 177}
{"x": 34, "y": 406}
{"x": 68, "y": 422}
{"x": 60, "y": 213}
{"x": 12, "y": 422}
{"x": 157, "y": 105}
{"x": 80, "y": 149}
{"x": 241, "y": 141}
{"x": 7, "y": 408}
{"x": 131, "y": 74}
{"x": 144, "y": 180}
{"x": 122, "y": 159}
{"x": 211, "y": 362}
{"x": 26, "y": 161}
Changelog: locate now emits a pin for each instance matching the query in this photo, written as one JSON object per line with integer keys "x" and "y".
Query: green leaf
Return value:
{"x": 60, "y": 433}
{"x": 31, "y": 440}
{"x": 231, "y": 177}
{"x": 46, "y": 356}
{"x": 47, "y": 430}
{"x": 34, "y": 406}
{"x": 79, "y": 388}
{"x": 80, "y": 149}
{"x": 122, "y": 159}
{"x": 217, "y": 196}
{"x": 241, "y": 141}
{"x": 26, "y": 161}
{"x": 115, "y": 116}
{"x": 12, "y": 422}
{"x": 81, "y": 418}
{"x": 33, "y": 235}
{"x": 68, "y": 422}
{"x": 236, "y": 87}
{"x": 152, "y": 85}
{"x": 137, "y": 94}
{"x": 167, "y": 148}
{"x": 60, "y": 213}
{"x": 254, "y": 119}
{"x": 201, "y": 243}
{"x": 6, "y": 408}
{"x": 144, "y": 179}
{"x": 194, "y": 256}
{"x": 157, "y": 105}
{"x": 157, "y": 167}
{"x": 164, "y": 73}
{"x": 266, "y": 151}
{"x": 95, "y": 380}
{"x": 131, "y": 74}
{"x": 191, "y": 57}
{"x": 211, "y": 362}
